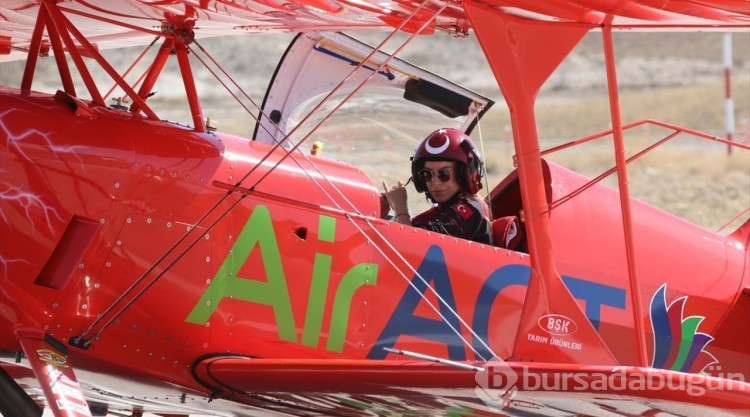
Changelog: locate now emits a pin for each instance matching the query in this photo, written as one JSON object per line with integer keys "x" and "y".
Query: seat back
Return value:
{"x": 507, "y": 232}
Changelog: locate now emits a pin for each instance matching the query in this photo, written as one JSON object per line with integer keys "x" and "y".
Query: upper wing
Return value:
{"x": 141, "y": 20}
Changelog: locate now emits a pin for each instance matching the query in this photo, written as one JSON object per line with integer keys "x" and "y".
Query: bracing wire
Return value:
{"x": 348, "y": 217}
{"x": 211, "y": 210}
{"x": 483, "y": 156}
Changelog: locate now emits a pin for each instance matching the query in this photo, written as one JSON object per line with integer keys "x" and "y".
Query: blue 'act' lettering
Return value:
{"x": 433, "y": 269}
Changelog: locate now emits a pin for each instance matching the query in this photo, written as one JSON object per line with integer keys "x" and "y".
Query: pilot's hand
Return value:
{"x": 396, "y": 198}
{"x": 384, "y": 206}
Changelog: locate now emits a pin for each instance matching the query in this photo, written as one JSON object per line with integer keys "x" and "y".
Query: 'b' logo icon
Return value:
{"x": 497, "y": 384}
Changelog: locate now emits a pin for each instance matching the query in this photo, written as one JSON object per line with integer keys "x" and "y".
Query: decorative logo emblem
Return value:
{"x": 557, "y": 324}
{"x": 52, "y": 357}
{"x": 463, "y": 210}
{"x": 439, "y": 148}
{"x": 677, "y": 343}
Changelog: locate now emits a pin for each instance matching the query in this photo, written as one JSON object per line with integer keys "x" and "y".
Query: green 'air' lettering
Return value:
{"x": 321, "y": 275}
{"x": 359, "y": 275}
{"x": 257, "y": 231}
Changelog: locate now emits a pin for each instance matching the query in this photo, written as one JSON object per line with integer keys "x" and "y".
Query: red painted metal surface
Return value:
{"x": 168, "y": 256}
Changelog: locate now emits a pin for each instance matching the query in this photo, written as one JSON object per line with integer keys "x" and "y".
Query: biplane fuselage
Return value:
{"x": 192, "y": 262}
{"x": 94, "y": 196}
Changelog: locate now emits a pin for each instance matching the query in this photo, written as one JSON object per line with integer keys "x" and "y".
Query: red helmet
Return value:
{"x": 449, "y": 145}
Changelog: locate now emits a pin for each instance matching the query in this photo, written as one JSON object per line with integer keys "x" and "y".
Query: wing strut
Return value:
{"x": 59, "y": 30}
{"x": 49, "y": 360}
{"x": 505, "y": 40}
{"x": 622, "y": 179}
{"x": 187, "y": 79}
{"x": 59, "y": 25}
{"x": 154, "y": 71}
{"x": 37, "y": 48}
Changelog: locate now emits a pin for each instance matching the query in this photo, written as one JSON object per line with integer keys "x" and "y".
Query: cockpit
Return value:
{"x": 376, "y": 117}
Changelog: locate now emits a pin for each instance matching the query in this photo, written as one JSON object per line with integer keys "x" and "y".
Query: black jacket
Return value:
{"x": 463, "y": 216}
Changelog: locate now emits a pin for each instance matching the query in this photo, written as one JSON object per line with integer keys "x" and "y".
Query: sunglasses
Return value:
{"x": 443, "y": 174}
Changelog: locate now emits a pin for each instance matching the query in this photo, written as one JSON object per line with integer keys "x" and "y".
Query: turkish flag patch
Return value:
{"x": 462, "y": 209}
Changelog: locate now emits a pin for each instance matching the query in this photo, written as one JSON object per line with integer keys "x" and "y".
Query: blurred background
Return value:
{"x": 673, "y": 77}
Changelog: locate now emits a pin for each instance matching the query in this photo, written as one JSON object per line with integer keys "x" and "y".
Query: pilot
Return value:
{"x": 447, "y": 168}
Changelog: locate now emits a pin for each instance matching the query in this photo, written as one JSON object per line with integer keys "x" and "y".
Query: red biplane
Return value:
{"x": 150, "y": 266}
